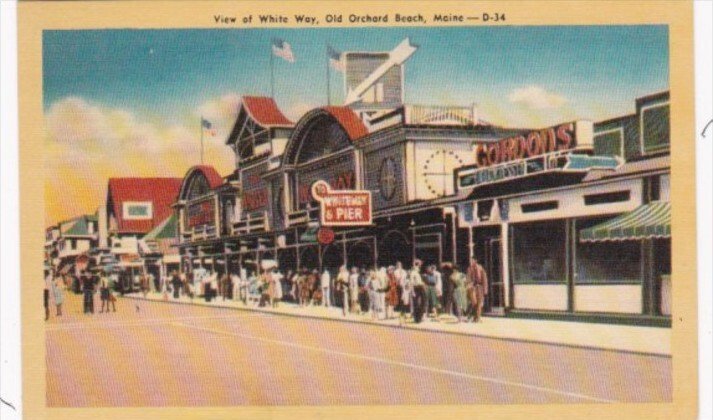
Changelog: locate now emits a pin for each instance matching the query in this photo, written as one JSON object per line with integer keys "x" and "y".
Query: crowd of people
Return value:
{"x": 381, "y": 293}
{"x": 87, "y": 283}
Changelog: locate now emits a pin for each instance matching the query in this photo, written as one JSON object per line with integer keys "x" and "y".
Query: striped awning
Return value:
{"x": 649, "y": 221}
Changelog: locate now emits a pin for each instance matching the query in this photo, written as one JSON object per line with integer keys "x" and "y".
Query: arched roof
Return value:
{"x": 264, "y": 111}
{"x": 347, "y": 120}
{"x": 213, "y": 178}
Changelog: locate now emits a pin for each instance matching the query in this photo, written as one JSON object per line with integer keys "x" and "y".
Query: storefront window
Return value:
{"x": 538, "y": 252}
{"x": 662, "y": 257}
{"x": 612, "y": 262}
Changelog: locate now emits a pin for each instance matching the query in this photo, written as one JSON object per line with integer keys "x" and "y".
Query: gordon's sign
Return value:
{"x": 539, "y": 142}
{"x": 342, "y": 207}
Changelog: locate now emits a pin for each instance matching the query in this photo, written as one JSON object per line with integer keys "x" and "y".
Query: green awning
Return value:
{"x": 167, "y": 229}
{"x": 309, "y": 235}
{"x": 649, "y": 221}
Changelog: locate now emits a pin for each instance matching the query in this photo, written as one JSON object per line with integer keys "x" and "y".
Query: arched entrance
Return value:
{"x": 309, "y": 257}
{"x": 360, "y": 254}
{"x": 332, "y": 257}
{"x": 395, "y": 247}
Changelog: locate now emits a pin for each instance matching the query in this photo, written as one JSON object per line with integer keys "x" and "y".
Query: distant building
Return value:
{"x": 134, "y": 207}
{"x": 68, "y": 240}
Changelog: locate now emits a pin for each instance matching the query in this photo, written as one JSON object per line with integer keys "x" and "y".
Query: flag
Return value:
{"x": 283, "y": 50}
{"x": 208, "y": 126}
{"x": 335, "y": 59}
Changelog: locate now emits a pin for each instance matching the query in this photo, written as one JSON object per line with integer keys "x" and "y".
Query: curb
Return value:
{"x": 410, "y": 328}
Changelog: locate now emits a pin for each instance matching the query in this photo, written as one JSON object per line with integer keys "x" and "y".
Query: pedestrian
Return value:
{"x": 278, "y": 294}
{"x": 144, "y": 284}
{"x": 353, "y": 290}
{"x": 460, "y": 298}
{"x": 429, "y": 279}
{"x": 342, "y": 287}
{"x": 154, "y": 282}
{"x": 406, "y": 287}
{"x": 224, "y": 280}
{"x": 478, "y": 281}
{"x": 46, "y": 293}
{"x": 270, "y": 286}
{"x": 325, "y": 282}
{"x": 374, "y": 288}
{"x": 244, "y": 284}
{"x": 104, "y": 292}
{"x": 176, "y": 285}
{"x": 418, "y": 298}
{"x": 235, "y": 282}
{"x": 363, "y": 291}
{"x": 214, "y": 285}
{"x": 439, "y": 286}
{"x": 58, "y": 295}
{"x": 112, "y": 279}
{"x": 88, "y": 290}
{"x": 382, "y": 277}
{"x": 447, "y": 300}
{"x": 392, "y": 292}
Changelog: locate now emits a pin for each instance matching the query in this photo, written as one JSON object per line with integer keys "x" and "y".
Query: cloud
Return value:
{"x": 536, "y": 97}
{"x": 220, "y": 111}
{"x": 86, "y": 143}
{"x": 295, "y": 111}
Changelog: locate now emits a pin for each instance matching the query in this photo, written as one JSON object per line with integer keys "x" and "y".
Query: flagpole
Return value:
{"x": 201, "y": 140}
{"x": 272, "y": 73}
{"x": 329, "y": 94}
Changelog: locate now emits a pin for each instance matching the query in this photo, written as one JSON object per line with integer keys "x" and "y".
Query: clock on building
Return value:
{"x": 387, "y": 178}
{"x": 438, "y": 171}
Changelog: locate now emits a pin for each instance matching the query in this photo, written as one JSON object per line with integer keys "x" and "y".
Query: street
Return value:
{"x": 163, "y": 354}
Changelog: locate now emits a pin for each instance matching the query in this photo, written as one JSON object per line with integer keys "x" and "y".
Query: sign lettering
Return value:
{"x": 342, "y": 207}
{"x": 535, "y": 143}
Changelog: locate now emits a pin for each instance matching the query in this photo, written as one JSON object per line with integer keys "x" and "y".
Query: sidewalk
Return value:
{"x": 649, "y": 340}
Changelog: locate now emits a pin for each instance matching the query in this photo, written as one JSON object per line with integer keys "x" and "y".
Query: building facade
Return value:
{"x": 569, "y": 221}
{"x": 580, "y": 238}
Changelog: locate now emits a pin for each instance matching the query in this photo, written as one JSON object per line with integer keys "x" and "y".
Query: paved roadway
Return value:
{"x": 179, "y": 355}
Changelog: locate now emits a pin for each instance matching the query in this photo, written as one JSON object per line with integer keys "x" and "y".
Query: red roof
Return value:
{"x": 161, "y": 192}
{"x": 265, "y": 111}
{"x": 349, "y": 120}
{"x": 213, "y": 177}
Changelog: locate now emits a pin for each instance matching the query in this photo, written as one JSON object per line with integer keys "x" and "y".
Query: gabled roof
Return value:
{"x": 78, "y": 226}
{"x": 213, "y": 177}
{"x": 265, "y": 112}
{"x": 161, "y": 192}
{"x": 349, "y": 120}
{"x": 168, "y": 229}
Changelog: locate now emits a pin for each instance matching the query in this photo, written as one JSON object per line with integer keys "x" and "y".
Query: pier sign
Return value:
{"x": 342, "y": 207}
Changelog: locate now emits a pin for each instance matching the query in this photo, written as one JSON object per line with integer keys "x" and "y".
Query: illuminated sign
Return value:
{"x": 534, "y": 143}
{"x": 341, "y": 181}
{"x": 201, "y": 213}
{"x": 342, "y": 207}
{"x": 564, "y": 161}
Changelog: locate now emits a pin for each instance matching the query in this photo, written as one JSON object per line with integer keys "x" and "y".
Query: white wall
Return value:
{"x": 608, "y": 298}
{"x": 127, "y": 245}
{"x": 571, "y": 202}
{"x": 434, "y": 150}
{"x": 541, "y": 296}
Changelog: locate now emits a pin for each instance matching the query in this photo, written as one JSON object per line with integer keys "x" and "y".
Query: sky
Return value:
{"x": 129, "y": 102}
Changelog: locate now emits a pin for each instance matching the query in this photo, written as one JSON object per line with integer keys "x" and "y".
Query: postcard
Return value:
{"x": 384, "y": 209}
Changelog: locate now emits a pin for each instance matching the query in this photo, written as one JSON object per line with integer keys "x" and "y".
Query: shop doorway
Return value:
{"x": 360, "y": 255}
{"x": 309, "y": 257}
{"x": 487, "y": 246}
{"x": 395, "y": 247}
{"x": 332, "y": 258}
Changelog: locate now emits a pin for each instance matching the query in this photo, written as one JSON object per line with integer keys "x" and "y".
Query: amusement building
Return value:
{"x": 570, "y": 221}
